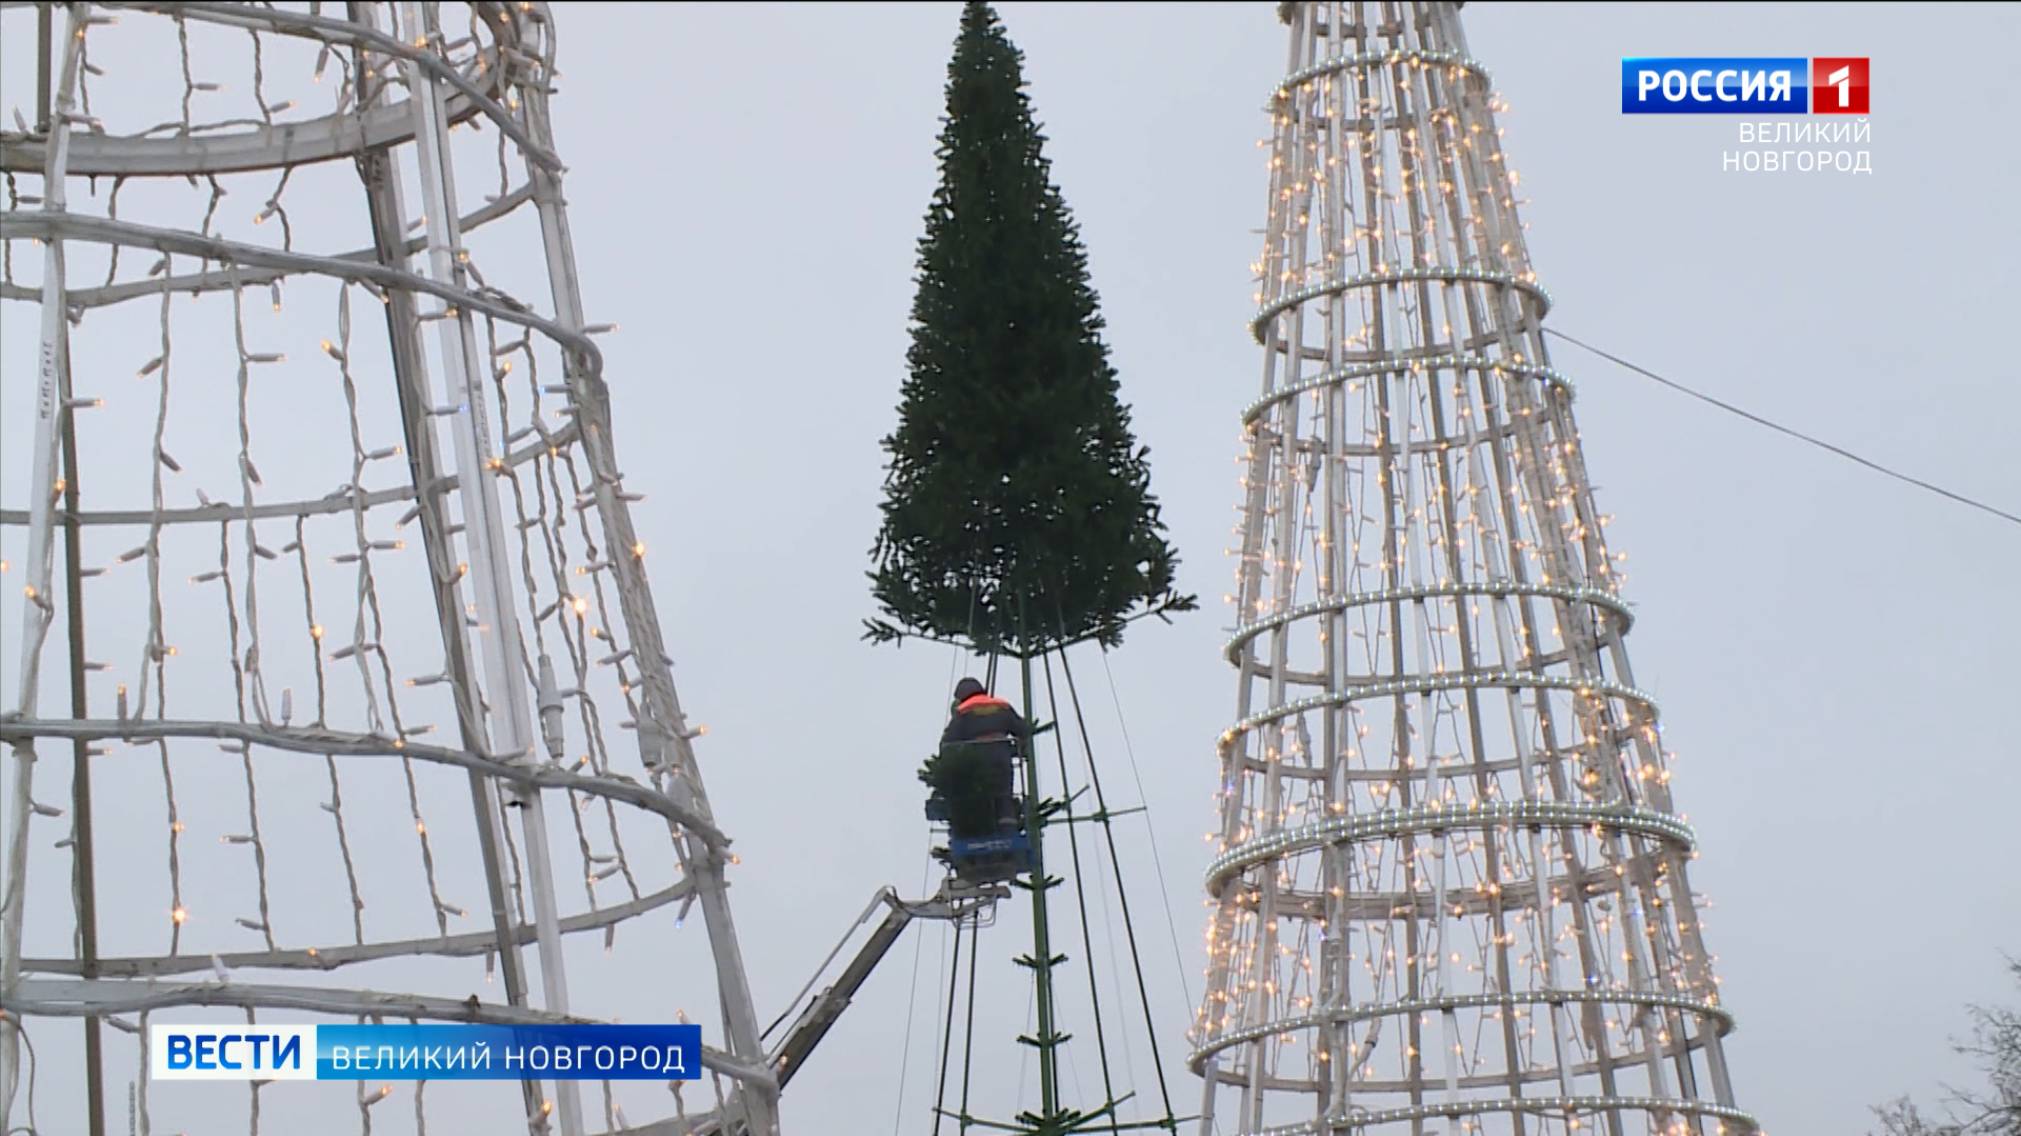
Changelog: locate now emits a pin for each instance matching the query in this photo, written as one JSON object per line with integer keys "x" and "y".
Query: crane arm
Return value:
{"x": 814, "y": 1022}
{"x": 954, "y": 901}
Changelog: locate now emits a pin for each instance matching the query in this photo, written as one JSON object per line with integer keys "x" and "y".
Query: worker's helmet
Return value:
{"x": 966, "y": 689}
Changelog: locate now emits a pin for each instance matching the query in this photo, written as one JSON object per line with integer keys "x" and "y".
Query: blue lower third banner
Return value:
{"x": 434, "y": 1052}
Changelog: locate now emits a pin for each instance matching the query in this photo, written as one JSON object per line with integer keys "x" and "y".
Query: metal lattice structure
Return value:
{"x": 1451, "y": 889}
{"x": 330, "y": 753}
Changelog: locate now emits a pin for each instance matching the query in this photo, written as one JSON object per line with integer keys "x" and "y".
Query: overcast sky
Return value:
{"x": 1833, "y": 650}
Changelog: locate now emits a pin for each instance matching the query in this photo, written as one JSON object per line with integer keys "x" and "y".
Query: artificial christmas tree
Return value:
{"x": 1018, "y": 509}
{"x": 1018, "y": 518}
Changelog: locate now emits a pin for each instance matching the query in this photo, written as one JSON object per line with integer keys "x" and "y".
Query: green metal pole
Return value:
{"x": 1041, "y": 960}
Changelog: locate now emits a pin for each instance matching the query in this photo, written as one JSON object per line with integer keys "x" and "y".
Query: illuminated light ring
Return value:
{"x": 1596, "y": 597}
{"x": 1445, "y": 274}
{"x": 1427, "y": 684}
{"x": 1255, "y": 409}
{"x": 1420, "y": 818}
{"x": 1375, "y": 905}
{"x": 330, "y": 958}
{"x": 1422, "y": 449}
{"x": 341, "y": 743}
{"x": 99, "y": 997}
{"x": 1197, "y": 1060}
{"x": 295, "y": 143}
{"x": 1339, "y": 63}
{"x": 1556, "y": 1105}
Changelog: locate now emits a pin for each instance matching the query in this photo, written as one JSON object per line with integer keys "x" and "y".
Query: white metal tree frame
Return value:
{"x": 304, "y": 725}
{"x": 1451, "y": 890}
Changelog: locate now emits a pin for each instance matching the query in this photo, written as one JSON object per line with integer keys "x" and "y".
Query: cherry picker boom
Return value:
{"x": 954, "y": 902}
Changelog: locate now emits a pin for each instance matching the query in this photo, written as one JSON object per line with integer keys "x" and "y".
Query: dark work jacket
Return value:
{"x": 983, "y": 716}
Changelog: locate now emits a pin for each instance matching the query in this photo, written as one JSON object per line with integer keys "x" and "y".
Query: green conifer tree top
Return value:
{"x": 1017, "y": 511}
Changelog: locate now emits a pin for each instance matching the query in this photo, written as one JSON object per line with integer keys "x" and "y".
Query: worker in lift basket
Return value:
{"x": 975, "y": 770}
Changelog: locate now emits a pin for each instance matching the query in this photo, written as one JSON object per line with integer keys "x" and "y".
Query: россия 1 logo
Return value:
{"x": 1721, "y": 85}
{"x": 1838, "y": 85}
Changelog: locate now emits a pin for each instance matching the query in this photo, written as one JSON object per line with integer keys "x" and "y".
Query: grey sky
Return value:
{"x": 746, "y": 185}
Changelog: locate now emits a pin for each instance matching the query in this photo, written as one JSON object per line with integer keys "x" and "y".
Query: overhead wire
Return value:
{"x": 911, "y": 1001}
{"x": 1101, "y": 814}
{"x": 947, "y": 1030}
{"x": 1799, "y": 435}
{"x": 1115, "y": 969}
{"x": 1080, "y": 887}
{"x": 918, "y": 943}
{"x": 1157, "y": 862}
{"x": 1122, "y": 893}
{"x": 968, "y": 1040}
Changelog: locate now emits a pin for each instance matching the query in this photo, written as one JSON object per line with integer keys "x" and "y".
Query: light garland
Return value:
{"x": 272, "y": 668}
{"x": 1563, "y": 1107}
{"x": 1392, "y": 823}
{"x": 1452, "y": 61}
{"x": 1444, "y": 800}
{"x": 1719, "y": 1015}
{"x": 1427, "y": 684}
{"x": 1384, "y": 276}
{"x": 1406, "y": 367}
{"x": 1596, "y": 597}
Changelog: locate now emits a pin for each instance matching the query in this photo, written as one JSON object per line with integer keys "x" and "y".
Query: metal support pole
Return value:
{"x": 44, "y": 47}
{"x": 83, "y": 862}
{"x": 1041, "y": 959}
{"x": 666, "y": 742}
{"x": 37, "y": 609}
{"x": 410, "y": 373}
{"x": 84, "y": 871}
{"x": 511, "y": 723}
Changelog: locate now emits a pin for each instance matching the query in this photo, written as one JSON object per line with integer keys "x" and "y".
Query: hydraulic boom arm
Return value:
{"x": 953, "y": 901}
{"x": 820, "y": 1014}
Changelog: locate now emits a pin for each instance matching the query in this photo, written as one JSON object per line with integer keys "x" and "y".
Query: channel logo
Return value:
{"x": 1839, "y": 85}
{"x": 1728, "y": 85}
{"x": 240, "y": 1052}
{"x": 432, "y": 1051}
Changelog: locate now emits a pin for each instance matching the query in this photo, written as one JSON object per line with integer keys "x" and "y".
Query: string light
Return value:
{"x": 1433, "y": 738}
{"x": 286, "y": 641}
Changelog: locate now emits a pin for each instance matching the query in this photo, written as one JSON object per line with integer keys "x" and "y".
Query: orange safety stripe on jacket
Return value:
{"x": 976, "y": 700}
